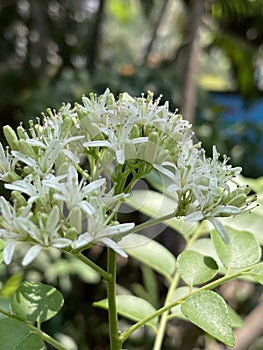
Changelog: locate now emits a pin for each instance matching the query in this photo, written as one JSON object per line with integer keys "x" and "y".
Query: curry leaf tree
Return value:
{"x": 68, "y": 175}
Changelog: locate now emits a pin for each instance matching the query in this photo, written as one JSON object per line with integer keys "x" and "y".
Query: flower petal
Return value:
{"x": 9, "y": 251}
{"x": 83, "y": 240}
{"x": 114, "y": 246}
{"x": 31, "y": 254}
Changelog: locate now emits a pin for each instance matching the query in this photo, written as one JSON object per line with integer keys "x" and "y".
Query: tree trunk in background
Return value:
{"x": 192, "y": 60}
{"x": 95, "y": 37}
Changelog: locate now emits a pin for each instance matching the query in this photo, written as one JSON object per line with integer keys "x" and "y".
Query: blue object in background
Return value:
{"x": 241, "y": 122}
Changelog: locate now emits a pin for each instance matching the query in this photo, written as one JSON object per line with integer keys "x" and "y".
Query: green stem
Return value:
{"x": 111, "y": 289}
{"x": 38, "y": 331}
{"x": 152, "y": 222}
{"x": 165, "y": 316}
{"x": 83, "y": 258}
{"x": 162, "y": 326}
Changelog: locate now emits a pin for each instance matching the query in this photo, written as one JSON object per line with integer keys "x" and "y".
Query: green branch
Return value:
{"x": 111, "y": 290}
{"x": 125, "y": 335}
{"x": 101, "y": 272}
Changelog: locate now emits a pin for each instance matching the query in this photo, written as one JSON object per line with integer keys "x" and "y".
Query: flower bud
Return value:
{"x": 21, "y": 132}
{"x": 19, "y": 199}
{"x": 110, "y": 100}
{"x": 66, "y": 126}
{"x": 26, "y": 149}
{"x": 72, "y": 233}
{"x": 12, "y": 176}
{"x": 75, "y": 218}
{"x": 27, "y": 170}
{"x": 136, "y": 131}
{"x": 11, "y": 137}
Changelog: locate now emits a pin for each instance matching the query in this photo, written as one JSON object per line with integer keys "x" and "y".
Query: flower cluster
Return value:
{"x": 69, "y": 172}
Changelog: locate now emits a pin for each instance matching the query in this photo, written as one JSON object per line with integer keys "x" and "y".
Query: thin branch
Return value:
{"x": 155, "y": 31}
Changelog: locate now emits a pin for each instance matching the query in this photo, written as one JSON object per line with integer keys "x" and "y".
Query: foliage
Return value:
{"x": 68, "y": 176}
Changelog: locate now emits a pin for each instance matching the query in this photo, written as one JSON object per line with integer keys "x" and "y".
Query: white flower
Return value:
{"x": 117, "y": 142}
{"x": 22, "y": 227}
{"x": 72, "y": 192}
{"x": 202, "y": 186}
{"x": 98, "y": 231}
{"x": 7, "y": 165}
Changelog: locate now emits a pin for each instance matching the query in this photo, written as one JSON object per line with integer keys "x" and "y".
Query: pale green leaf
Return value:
{"x": 208, "y": 310}
{"x": 243, "y": 250}
{"x": 257, "y": 273}
{"x": 131, "y": 307}
{"x": 179, "y": 294}
{"x": 195, "y": 268}
{"x": 35, "y": 301}
{"x": 15, "y": 335}
{"x": 150, "y": 253}
{"x": 205, "y": 246}
{"x": 235, "y": 320}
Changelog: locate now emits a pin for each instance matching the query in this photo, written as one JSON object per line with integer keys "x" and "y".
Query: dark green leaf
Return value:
{"x": 15, "y": 335}
{"x": 34, "y": 301}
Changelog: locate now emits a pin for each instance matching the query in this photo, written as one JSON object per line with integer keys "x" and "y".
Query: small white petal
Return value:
{"x": 71, "y": 156}
{"x": 139, "y": 140}
{"x": 110, "y": 231}
{"x": 36, "y": 143}
{"x": 83, "y": 240}
{"x": 9, "y": 251}
{"x": 196, "y": 216}
{"x": 97, "y": 144}
{"x": 31, "y": 254}
{"x": 5, "y": 209}
{"x": 61, "y": 242}
{"x": 87, "y": 207}
{"x": 220, "y": 229}
{"x": 53, "y": 219}
{"x": 120, "y": 156}
{"x": 94, "y": 185}
{"x": 25, "y": 159}
{"x": 114, "y": 246}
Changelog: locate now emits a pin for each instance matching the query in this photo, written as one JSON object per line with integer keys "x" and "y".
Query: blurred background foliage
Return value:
{"x": 54, "y": 51}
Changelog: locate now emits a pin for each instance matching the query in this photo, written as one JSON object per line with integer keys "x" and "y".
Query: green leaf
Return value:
{"x": 150, "y": 253}
{"x": 235, "y": 320}
{"x": 14, "y": 335}
{"x": 205, "y": 246}
{"x": 178, "y": 294}
{"x": 257, "y": 273}
{"x": 207, "y": 310}
{"x": 34, "y": 301}
{"x": 131, "y": 307}
{"x": 195, "y": 268}
{"x": 243, "y": 250}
